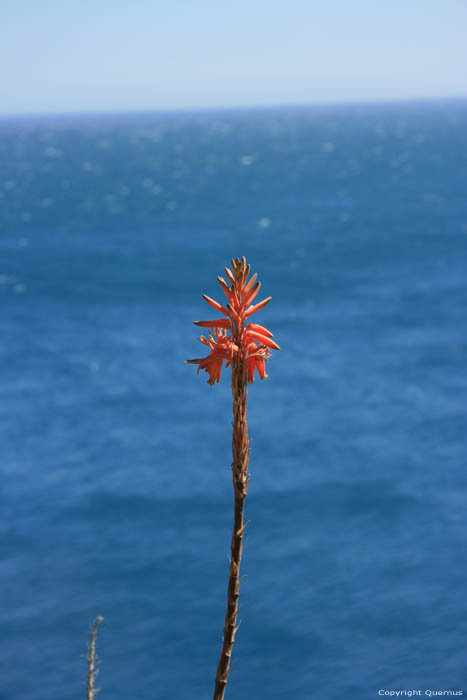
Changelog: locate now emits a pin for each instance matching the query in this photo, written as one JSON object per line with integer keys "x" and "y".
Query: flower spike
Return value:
{"x": 245, "y": 347}
{"x": 234, "y": 342}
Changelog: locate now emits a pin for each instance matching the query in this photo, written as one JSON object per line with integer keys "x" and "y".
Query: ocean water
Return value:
{"x": 116, "y": 494}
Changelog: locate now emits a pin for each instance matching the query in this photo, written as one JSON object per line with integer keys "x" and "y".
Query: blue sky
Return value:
{"x": 101, "y": 55}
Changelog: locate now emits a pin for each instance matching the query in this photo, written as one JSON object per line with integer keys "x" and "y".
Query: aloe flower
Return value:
{"x": 229, "y": 337}
{"x": 245, "y": 347}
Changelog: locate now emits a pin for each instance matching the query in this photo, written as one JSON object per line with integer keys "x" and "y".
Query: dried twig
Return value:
{"x": 93, "y": 661}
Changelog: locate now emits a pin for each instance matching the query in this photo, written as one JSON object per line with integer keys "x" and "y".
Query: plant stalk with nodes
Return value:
{"x": 245, "y": 347}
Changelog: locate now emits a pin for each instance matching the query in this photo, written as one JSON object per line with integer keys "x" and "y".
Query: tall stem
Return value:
{"x": 240, "y": 477}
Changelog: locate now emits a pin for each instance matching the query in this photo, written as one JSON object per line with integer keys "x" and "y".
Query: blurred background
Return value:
{"x": 141, "y": 148}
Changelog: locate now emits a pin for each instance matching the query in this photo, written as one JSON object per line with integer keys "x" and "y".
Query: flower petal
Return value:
{"x": 251, "y": 370}
{"x": 260, "y": 329}
{"x": 217, "y": 323}
{"x": 263, "y": 339}
{"x": 215, "y": 305}
{"x": 251, "y": 282}
{"x": 225, "y": 288}
{"x": 229, "y": 275}
{"x": 257, "y": 307}
{"x": 249, "y": 298}
{"x": 261, "y": 367}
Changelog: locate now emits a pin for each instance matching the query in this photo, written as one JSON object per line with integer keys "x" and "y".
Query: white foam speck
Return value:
{"x": 46, "y": 202}
{"x": 264, "y": 222}
{"x": 328, "y": 147}
{"x": 246, "y": 160}
{"x": 19, "y": 288}
{"x": 172, "y": 205}
{"x": 52, "y": 152}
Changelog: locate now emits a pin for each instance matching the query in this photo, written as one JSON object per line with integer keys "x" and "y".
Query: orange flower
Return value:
{"x": 229, "y": 338}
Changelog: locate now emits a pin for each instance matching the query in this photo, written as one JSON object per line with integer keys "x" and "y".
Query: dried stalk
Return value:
{"x": 93, "y": 661}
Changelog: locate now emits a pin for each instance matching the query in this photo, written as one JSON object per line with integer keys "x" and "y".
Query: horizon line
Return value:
{"x": 230, "y": 108}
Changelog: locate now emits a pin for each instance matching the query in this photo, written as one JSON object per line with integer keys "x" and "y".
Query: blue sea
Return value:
{"x": 116, "y": 491}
